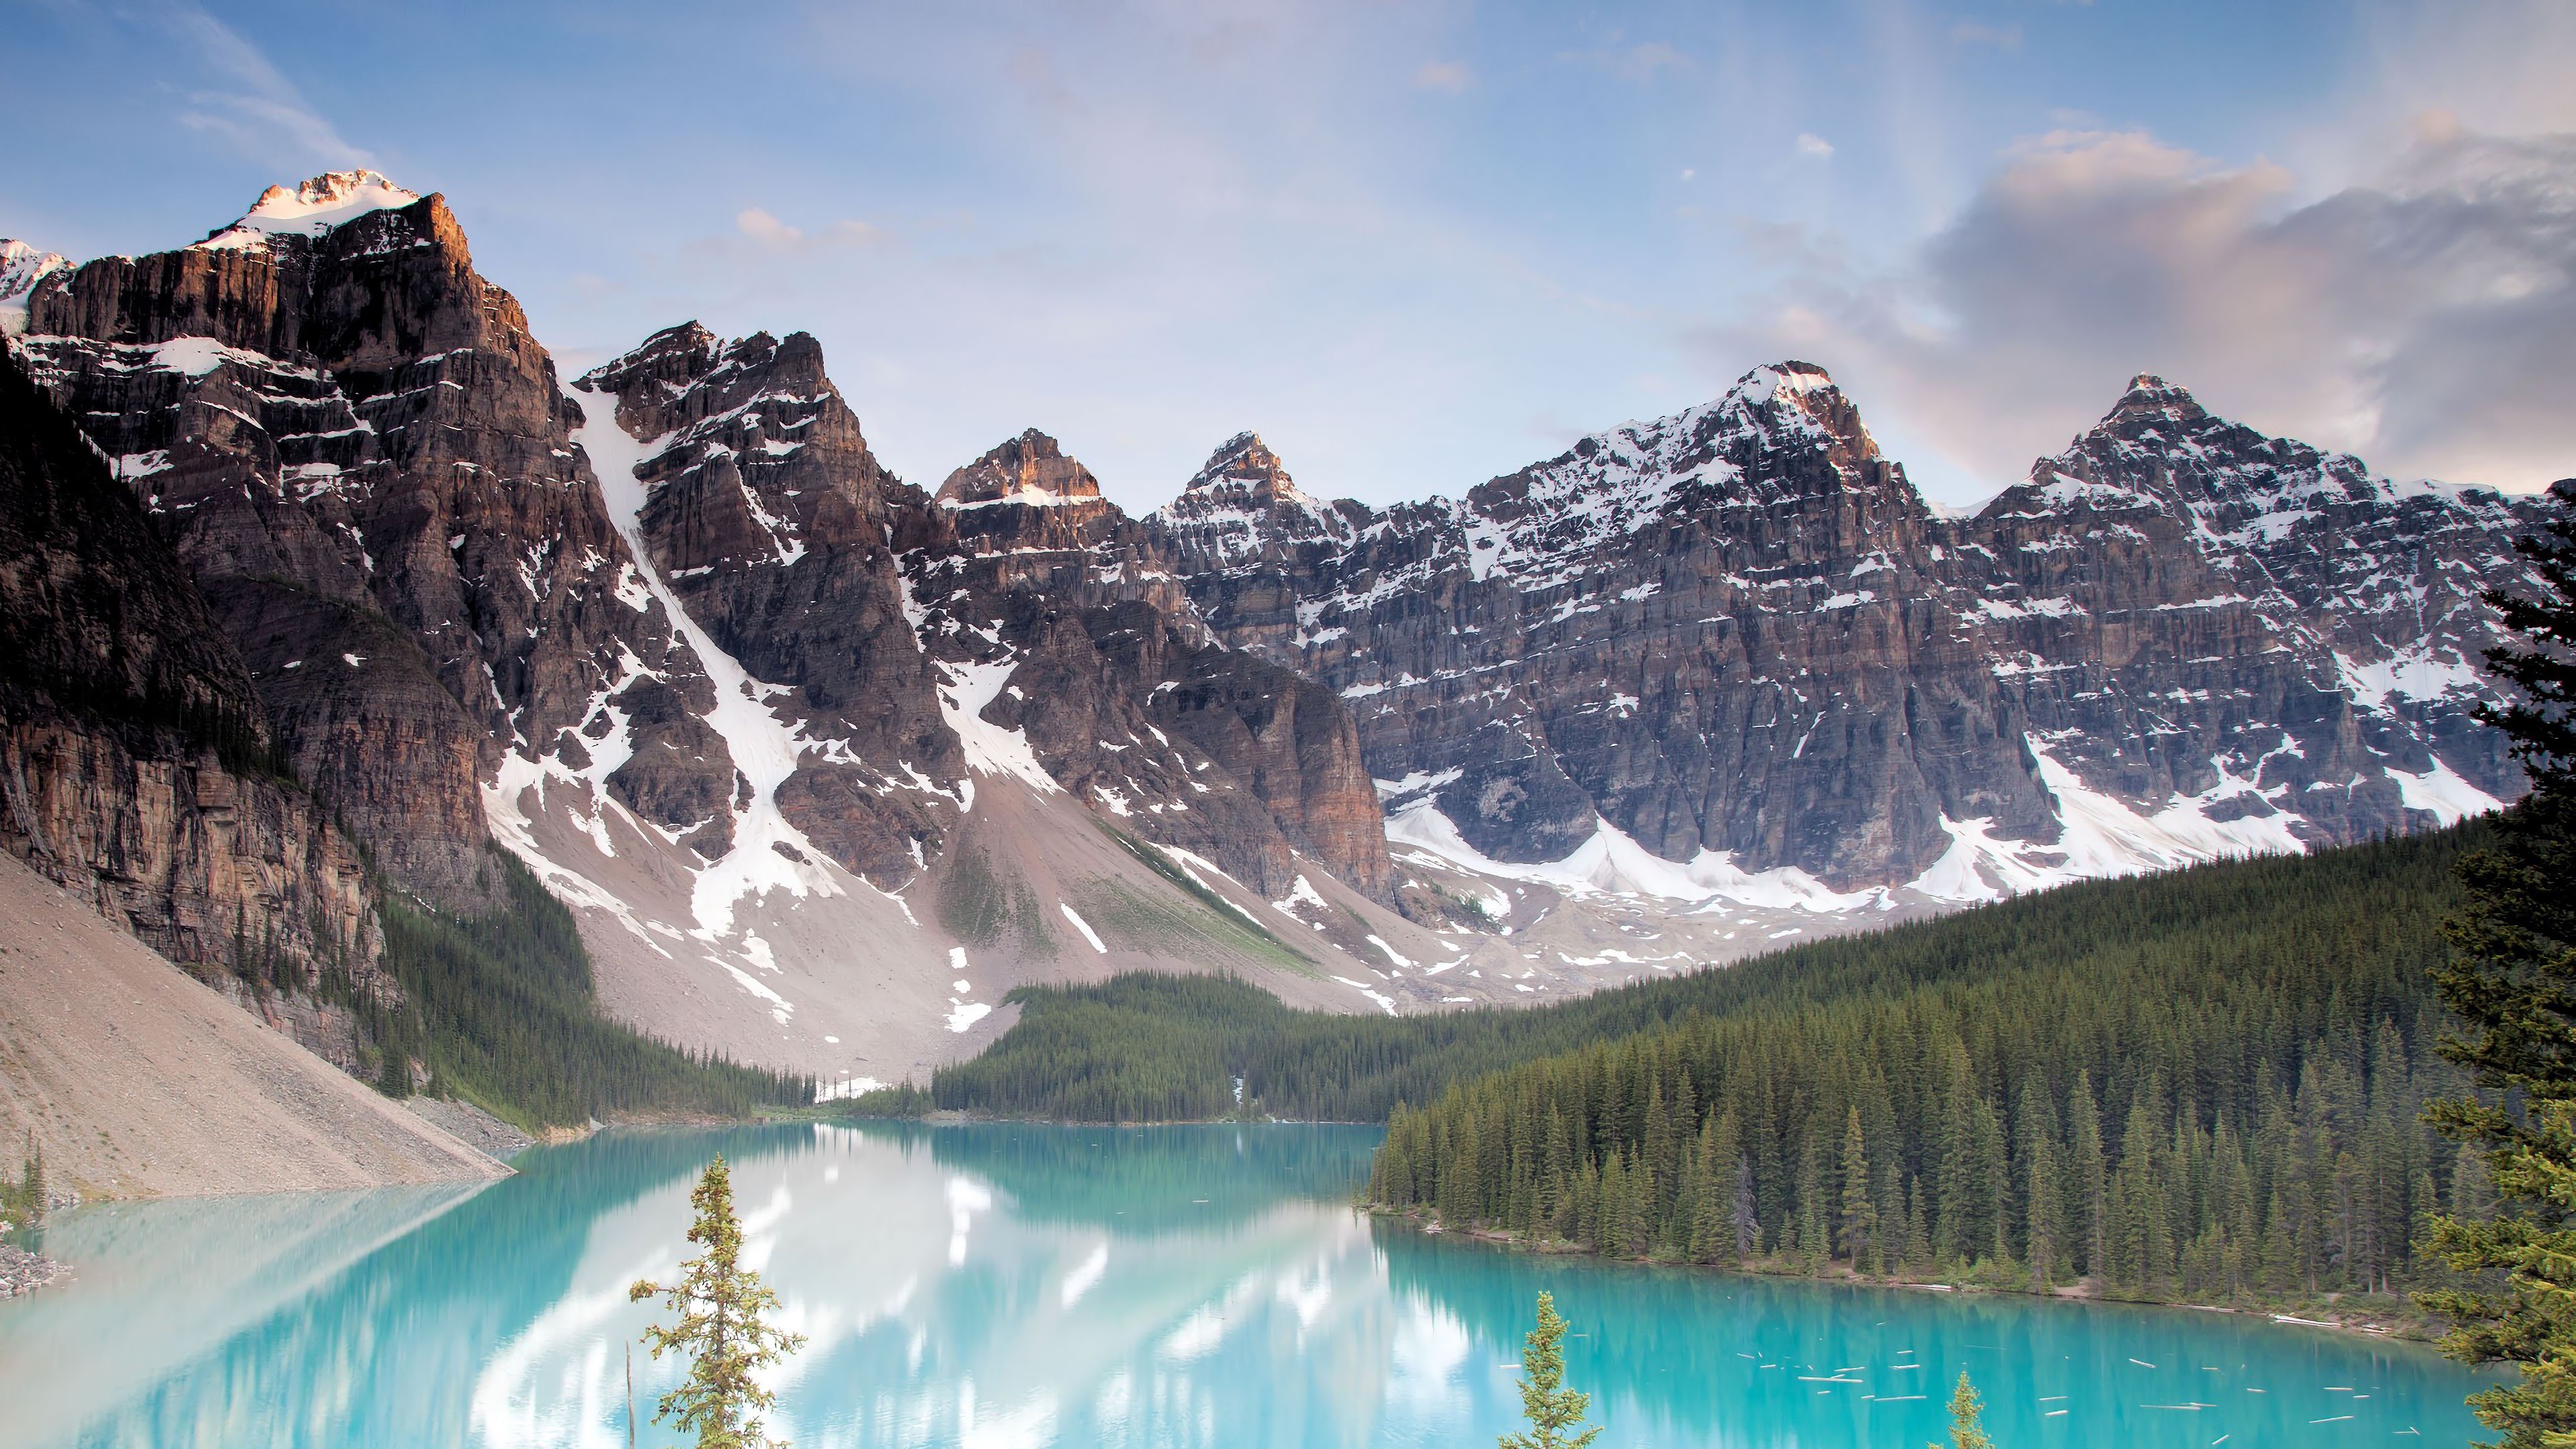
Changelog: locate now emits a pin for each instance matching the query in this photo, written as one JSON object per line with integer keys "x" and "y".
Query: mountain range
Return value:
{"x": 827, "y": 763}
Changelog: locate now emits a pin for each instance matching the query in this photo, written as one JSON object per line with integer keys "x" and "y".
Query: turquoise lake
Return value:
{"x": 992, "y": 1287}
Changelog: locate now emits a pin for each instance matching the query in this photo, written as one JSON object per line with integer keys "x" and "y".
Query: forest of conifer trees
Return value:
{"x": 501, "y": 1010}
{"x": 2223, "y": 1112}
{"x": 2202, "y": 1085}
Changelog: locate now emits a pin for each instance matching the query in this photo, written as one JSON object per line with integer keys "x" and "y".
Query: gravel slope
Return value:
{"x": 138, "y": 1081}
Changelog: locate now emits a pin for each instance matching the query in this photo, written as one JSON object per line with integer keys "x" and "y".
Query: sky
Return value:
{"x": 1418, "y": 245}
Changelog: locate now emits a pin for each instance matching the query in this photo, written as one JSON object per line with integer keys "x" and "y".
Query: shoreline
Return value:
{"x": 2381, "y": 1326}
{"x": 23, "y": 1272}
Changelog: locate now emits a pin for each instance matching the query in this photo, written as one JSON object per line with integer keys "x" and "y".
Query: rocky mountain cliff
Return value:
{"x": 827, "y": 763}
{"x": 135, "y": 766}
{"x": 673, "y": 635}
{"x": 351, "y": 439}
{"x": 1738, "y": 639}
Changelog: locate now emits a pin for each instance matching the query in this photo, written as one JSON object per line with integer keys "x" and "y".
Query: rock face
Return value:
{"x": 1029, "y": 469}
{"x": 1017, "y": 623}
{"x": 674, "y": 635}
{"x": 1738, "y": 637}
{"x": 132, "y": 746}
{"x": 764, "y": 513}
{"x": 21, "y": 268}
{"x": 351, "y": 439}
{"x": 1119, "y": 689}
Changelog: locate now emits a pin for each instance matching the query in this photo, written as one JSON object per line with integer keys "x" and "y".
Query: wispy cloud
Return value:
{"x": 253, "y": 105}
{"x": 1638, "y": 65}
{"x": 769, "y": 232}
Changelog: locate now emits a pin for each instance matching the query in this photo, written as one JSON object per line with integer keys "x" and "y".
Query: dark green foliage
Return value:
{"x": 2512, "y": 983}
{"x": 1164, "y": 1048}
{"x": 2203, "y": 1086}
{"x": 721, "y": 1327}
{"x": 1967, "y": 1417}
{"x": 2542, "y": 724}
{"x": 499, "y": 1008}
{"x": 1140, "y": 1047}
{"x": 1555, "y": 1412}
{"x": 900, "y": 1102}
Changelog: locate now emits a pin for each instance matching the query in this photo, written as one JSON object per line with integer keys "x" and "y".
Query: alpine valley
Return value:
{"x": 825, "y": 763}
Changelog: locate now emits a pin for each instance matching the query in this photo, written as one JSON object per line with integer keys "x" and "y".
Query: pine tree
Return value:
{"x": 1859, "y": 1214}
{"x": 1967, "y": 1411}
{"x": 2091, "y": 1191}
{"x": 2040, "y": 1205}
{"x": 1954, "y": 1234}
{"x": 34, "y": 1186}
{"x": 1748, "y": 1218}
{"x": 721, "y": 1329}
{"x": 1554, "y": 1411}
{"x": 1993, "y": 1177}
{"x": 1812, "y": 1243}
{"x": 2512, "y": 983}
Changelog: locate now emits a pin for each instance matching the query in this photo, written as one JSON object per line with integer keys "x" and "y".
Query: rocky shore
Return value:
{"x": 22, "y": 1272}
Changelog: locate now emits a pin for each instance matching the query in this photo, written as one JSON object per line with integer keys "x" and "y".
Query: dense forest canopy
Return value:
{"x": 2356, "y": 928}
{"x": 501, "y": 1009}
{"x": 2206, "y": 1082}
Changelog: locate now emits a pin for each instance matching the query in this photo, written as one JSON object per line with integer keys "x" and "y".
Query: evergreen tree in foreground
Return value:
{"x": 721, "y": 1327}
{"x": 1967, "y": 1411}
{"x": 1554, "y": 1410}
{"x": 2512, "y": 983}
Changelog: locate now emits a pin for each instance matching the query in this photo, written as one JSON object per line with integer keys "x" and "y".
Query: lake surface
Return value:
{"x": 1010, "y": 1286}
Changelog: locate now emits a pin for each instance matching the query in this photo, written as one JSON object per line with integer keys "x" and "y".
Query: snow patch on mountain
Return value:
{"x": 21, "y": 268}
{"x": 764, "y": 748}
{"x": 2417, "y": 673}
{"x": 964, "y": 691}
{"x": 2100, "y": 836}
{"x": 2442, "y": 793}
{"x": 1611, "y": 862}
{"x": 316, "y": 208}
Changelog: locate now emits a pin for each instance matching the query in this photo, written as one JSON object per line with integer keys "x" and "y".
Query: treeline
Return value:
{"x": 1145, "y": 1048}
{"x": 501, "y": 1010}
{"x": 2215, "y": 1105}
{"x": 1877, "y": 1137}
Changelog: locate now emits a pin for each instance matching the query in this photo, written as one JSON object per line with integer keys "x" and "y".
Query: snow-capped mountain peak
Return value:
{"x": 2150, "y": 396}
{"x": 21, "y": 268}
{"x": 1244, "y": 458}
{"x": 316, "y": 208}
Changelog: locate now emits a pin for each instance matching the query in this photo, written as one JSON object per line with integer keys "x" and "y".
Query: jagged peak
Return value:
{"x": 1789, "y": 401}
{"x": 1030, "y": 469}
{"x": 677, "y": 352}
{"x": 1788, "y": 377}
{"x": 2150, "y": 396}
{"x": 316, "y": 208}
{"x": 23, "y": 265}
{"x": 687, "y": 354}
{"x": 686, "y": 337}
{"x": 21, "y": 268}
{"x": 1243, "y": 458}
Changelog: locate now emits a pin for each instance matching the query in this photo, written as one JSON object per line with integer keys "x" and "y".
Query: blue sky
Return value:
{"x": 1417, "y": 245}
